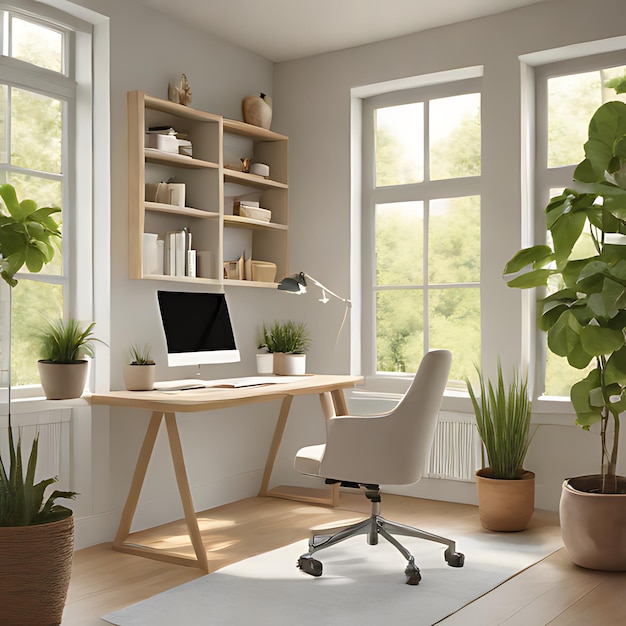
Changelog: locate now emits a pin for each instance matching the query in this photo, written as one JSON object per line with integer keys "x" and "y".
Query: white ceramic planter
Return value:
{"x": 265, "y": 363}
{"x": 139, "y": 377}
{"x": 593, "y": 525}
{"x": 289, "y": 364}
{"x": 62, "y": 381}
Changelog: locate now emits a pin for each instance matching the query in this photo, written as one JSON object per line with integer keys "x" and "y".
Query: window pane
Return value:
{"x": 399, "y": 243}
{"x": 36, "y": 44}
{"x": 454, "y": 136}
{"x": 31, "y": 300}
{"x": 400, "y": 144}
{"x": 399, "y": 330}
{"x": 572, "y": 100}
{"x": 36, "y": 131}
{"x": 3, "y": 123}
{"x": 454, "y": 324}
{"x": 454, "y": 240}
{"x": 45, "y": 193}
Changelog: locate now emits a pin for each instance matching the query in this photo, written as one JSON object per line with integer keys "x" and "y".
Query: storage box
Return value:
{"x": 263, "y": 271}
{"x": 254, "y": 213}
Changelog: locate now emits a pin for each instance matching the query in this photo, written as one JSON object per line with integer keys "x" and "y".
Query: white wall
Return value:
{"x": 312, "y": 105}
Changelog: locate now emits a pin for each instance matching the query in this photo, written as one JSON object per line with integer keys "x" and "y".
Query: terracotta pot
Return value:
{"x": 286, "y": 364}
{"x": 62, "y": 381}
{"x": 139, "y": 377}
{"x": 505, "y": 505}
{"x": 35, "y": 571}
{"x": 593, "y": 525}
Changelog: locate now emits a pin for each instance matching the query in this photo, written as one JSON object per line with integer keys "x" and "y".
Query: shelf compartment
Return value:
{"x": 245, "y": 222}
{"x": 159, "y": 207}
{"x": 252, "y": 180}
{"x": 249, "y": 130}
{"x": 176, "y": 160}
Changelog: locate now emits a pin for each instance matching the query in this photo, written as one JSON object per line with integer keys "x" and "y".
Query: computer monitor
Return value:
{"x": 197, "y": 328}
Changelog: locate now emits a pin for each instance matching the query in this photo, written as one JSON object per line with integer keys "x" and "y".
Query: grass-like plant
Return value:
{"x": 22, "y": 501}
{"x": 63, "y": 342}
{"x": 141, "y": 354}
{"x": 290, "y": 337}
{"x": 503, "y": 416}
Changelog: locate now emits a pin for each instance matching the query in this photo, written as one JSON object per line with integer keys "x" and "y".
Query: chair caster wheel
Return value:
{"x": 309, "y": 565}
{"x": 413, "y": 575}
{"x": 455, "y": 559}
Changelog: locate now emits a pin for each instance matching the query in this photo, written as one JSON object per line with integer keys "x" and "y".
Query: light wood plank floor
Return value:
{"x": 554, "y": 591}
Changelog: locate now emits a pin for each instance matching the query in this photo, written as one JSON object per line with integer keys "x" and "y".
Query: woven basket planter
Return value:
{"x": 35, "y": 568}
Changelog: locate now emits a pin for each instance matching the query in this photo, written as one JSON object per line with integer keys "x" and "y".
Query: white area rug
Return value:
{"x": 361, "y": 584}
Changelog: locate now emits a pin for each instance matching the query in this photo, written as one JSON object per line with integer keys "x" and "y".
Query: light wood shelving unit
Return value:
{"x": 212, "y": 185}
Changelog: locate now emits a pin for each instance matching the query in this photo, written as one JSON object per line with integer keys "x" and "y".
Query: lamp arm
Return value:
{"x": 327, "y": 290}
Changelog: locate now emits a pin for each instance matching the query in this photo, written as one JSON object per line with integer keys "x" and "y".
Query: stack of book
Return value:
{"x": 179, "y": 257}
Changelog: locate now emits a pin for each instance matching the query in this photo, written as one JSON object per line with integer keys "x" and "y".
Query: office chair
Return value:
{"x": 363, "y": 452}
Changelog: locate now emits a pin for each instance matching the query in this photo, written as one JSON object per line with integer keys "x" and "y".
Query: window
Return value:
{"x": 567, "y": 95}
{"x": 421, "y": 227}
{"x": 38, "y": 131}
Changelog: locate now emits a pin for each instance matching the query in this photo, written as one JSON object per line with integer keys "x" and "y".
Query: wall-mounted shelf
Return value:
{"x": 211, "y": 188}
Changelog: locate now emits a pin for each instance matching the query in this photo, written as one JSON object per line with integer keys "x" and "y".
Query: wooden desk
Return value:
{"x": 165, "y": 406}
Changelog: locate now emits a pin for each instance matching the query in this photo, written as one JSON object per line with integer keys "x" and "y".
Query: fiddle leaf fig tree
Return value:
{"x": 27, "y": 234}
{"x": 584, "y": 269}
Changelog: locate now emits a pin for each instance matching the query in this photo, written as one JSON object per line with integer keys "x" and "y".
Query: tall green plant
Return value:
{"x": 503, "y": 420}
{"x": 584, "y": 313}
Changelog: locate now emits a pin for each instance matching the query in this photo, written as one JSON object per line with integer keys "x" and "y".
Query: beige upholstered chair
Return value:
{"x": 389, "y": 449}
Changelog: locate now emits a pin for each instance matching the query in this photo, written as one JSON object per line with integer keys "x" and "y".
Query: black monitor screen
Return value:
{"x": 197, "y": 328}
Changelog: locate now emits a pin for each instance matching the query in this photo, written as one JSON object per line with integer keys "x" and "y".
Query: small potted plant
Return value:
{"x": 139, "y": 374}
{"x": 63, "y": 367}
{"x": 288, "y": 342}
{"x": 506, "y": 491}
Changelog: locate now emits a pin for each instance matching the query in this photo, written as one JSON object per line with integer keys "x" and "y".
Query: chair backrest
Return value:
{"x": 415, "y": 418}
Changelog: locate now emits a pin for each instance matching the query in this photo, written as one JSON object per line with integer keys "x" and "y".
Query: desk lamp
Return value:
{"x": 297, "y": 284}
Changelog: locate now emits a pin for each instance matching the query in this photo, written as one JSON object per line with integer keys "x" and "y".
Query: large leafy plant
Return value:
{"x": 27, "y": 234}
{"x": 584, "y": 311}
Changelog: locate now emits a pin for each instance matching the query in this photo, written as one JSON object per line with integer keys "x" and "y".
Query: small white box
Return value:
{"x": 165, "y": 143}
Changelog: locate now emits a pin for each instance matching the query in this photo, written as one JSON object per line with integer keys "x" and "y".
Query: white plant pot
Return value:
{"x": 289, "y": 364}
{"x": 139, "y": 377}
{"x": 265, "y": 363}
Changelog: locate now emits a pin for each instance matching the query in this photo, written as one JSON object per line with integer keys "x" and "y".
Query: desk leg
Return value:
{"x": 120, "y": 544}
{"x": 185, "y": 492}
{"x": 278, "y": 436}
{"x": 138, "y": 477}
{"x": 333, "y": 403}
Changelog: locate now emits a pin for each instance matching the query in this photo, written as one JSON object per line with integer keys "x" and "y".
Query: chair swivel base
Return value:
{"x": 374, "y": 526}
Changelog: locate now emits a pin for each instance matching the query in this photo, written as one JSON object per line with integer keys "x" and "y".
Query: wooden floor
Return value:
{"x": 554, "y": 591}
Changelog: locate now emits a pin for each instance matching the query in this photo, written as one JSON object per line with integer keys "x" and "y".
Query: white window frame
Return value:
{"x": 75, "y": 87}
{"x": 443, "y": 85}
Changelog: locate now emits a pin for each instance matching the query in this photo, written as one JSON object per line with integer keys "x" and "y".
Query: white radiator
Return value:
{"x": 54, "y": 442}
{"x": 457, "y": 450}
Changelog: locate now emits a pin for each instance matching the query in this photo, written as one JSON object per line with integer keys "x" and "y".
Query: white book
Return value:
{"x": 180, "y": 252}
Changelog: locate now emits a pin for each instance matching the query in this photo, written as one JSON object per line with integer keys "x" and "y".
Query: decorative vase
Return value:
{"x": 139, "y": 377}
{"x": 265, "y": 363}
{"x": 505, "y": 505}
{"x": 35, "y": 571}
{"x": 63, "y": 381}
{"x": 593, "y": 525}
{"x": 286, "y": 364}
{"x": 257, "y": 110}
